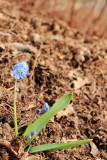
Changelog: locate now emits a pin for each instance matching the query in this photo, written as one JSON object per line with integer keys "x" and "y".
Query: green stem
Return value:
{"x": 15, "y": 116}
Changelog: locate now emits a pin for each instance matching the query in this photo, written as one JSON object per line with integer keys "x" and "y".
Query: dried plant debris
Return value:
{"x": 61, "y": 60}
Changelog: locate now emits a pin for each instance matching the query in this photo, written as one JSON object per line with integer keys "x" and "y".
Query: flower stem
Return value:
{"x": 15, "y": 116}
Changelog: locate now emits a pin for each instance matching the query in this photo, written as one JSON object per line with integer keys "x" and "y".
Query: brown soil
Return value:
{"x": 61, "y": 61}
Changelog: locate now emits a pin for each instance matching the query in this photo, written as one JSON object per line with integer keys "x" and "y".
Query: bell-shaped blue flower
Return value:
{"x": 20, "y": 71}
{"x": 46, "y": 107}
{"x": 38, "y": 111}
{"x": 28, "y": 138}
{"x": 33, "y": 133}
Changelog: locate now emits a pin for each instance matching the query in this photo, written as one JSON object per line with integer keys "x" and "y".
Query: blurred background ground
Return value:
{"x": 87, "y": 16}
{"x": 64, "y": 44}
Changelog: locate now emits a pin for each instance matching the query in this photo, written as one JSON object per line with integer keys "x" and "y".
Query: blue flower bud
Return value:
{"x": 20, "y": 71}
{"x": 28, "y": 138}
{"x": 46, "y": 107}
{"x": 38, "y": 111}
{"x": 33, "y": 133}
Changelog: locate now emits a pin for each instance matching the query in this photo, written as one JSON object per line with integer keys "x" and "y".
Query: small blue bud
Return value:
{"x": 33, "y": 133}
{"x": 38, "y": 111}
{"x": 46, "y": 107}
{"x": 28, "y": 138}
{"x": 20, "y": 71}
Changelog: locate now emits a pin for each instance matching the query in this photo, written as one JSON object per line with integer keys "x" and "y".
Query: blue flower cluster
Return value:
{"x": 45, "y": 109}
{"x": 20, "y": 71}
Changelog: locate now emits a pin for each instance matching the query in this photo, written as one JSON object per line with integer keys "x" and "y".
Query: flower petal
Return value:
{"x": 23, "y": 75}
{"x": 17, "y": 76}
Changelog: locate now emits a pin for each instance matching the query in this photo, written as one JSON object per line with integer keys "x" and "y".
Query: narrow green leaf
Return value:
{"x": 44, "y": 119}
{"x": 48, "y": 147}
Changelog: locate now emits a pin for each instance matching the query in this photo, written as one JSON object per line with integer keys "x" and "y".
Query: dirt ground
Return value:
{"x": 61, "y": 60}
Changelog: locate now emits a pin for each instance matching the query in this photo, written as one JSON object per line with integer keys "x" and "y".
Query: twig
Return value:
{"x": 54, "y": 8}
{"x": 100, "y": 20}
{"x": 92, "y": 15}
{"x": 5, "y": 34}
{"x": 72, "y": 13}
{"x": 102, "y": 12}
{"x": 22, "y": 47}
{"x": 88, "y": 96}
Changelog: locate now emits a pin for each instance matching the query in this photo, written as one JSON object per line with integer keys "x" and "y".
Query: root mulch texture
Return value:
{"x": 61, "y": 61}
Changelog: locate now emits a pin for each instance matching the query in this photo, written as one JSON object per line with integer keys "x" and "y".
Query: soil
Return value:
{"x": 61, "y": 60}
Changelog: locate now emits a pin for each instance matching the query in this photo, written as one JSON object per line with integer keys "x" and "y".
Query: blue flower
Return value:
{"x": 20, "y": 71}
{"x": 33, "y": 133}
{"x": 38, "y": 111}
{"x": 28, "y": 138}
{"x": 46, "y": 107}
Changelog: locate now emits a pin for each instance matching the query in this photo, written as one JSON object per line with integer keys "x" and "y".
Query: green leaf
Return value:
{"x": 48, "y": 147}
{"x": 39, "y": 124}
